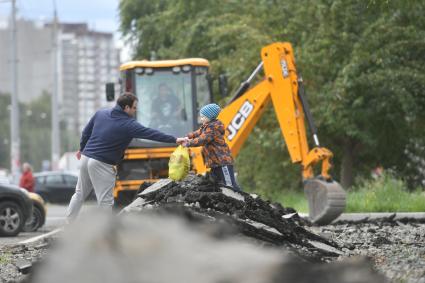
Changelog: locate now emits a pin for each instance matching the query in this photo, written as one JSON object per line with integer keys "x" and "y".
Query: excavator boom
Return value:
{"x": 283, "y": 87}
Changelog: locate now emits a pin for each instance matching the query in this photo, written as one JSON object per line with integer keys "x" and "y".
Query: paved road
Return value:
{"x": 55, "y": 219}
{"x": 55, "y": 215}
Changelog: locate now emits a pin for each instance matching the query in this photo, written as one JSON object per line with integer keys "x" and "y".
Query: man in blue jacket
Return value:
{"x": 102, "y": 146}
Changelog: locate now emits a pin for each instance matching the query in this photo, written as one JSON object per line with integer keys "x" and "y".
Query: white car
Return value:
{"x": 4, "y": 177}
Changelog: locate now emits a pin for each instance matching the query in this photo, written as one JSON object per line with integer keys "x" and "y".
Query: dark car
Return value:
{"x": 56, "y": 186}
{"x": 15, "y": 209}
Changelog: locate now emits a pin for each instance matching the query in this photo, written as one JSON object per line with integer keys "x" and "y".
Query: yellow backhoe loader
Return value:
{"x": 170, "y": 94}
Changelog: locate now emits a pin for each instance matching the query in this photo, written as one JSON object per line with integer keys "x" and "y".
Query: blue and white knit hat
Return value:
{"x": 210, "y": 111}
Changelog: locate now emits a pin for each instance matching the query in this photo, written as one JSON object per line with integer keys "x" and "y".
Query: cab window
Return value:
{"x": 165, "y": 100}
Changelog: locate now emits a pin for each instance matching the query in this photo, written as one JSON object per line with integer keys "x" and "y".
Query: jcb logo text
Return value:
{"x": 239, "y": 119}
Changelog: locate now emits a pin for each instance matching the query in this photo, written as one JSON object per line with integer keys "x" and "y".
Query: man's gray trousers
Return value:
{"x": 94, "y": 175}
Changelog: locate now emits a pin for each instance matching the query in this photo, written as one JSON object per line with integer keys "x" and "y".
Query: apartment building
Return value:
{"x": 87, "y": 60}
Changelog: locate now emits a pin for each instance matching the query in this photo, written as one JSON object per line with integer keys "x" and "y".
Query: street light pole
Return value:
{"x": 55, "y": 106}
{"x": 14, "y": 111}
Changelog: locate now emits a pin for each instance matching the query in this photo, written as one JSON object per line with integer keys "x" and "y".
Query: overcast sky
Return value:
{"x": 100, "y": 15}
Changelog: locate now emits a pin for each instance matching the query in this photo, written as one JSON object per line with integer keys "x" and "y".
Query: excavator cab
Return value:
{"x": 170, "y": 95}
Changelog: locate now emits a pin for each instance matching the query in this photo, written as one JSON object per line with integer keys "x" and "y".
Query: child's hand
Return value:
{"x": 186, "y": 142}
{"x": 183, "y": 141}
{"x": 180, "y": 140}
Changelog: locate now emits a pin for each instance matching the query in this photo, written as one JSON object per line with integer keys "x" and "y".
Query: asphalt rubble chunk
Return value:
{"x": 269, "y": 224}
{"x": 17, "y": 261}
{"x": 395, "y": 245}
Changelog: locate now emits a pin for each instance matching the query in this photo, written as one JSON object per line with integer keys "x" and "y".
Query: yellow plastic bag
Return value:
{"x": 178, "y": 166}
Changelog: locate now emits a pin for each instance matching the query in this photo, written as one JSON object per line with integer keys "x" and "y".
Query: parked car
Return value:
{"x": 15, "y": 209}
{"x": 57, "y": 186}
{"x": 38, "y": 217}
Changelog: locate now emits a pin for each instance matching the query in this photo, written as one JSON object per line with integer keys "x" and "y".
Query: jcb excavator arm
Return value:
{"x": 283, "y": 86}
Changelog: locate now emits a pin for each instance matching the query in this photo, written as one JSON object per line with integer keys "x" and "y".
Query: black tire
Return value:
{"x": 11, "y": 219}
{"x": 36, "y": 221}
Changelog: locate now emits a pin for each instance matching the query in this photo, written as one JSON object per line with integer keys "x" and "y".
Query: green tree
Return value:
{"x": 35, "y": 132}
{"x": 362, "y": 63}
{"x": 370, "y": 60}
{"x": 35, "y": 122}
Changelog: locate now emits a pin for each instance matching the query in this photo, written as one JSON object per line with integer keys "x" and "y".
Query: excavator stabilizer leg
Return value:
{"x": 326, "y": 200}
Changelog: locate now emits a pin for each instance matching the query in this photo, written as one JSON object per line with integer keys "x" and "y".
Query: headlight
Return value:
{"x": 36, "y": 197}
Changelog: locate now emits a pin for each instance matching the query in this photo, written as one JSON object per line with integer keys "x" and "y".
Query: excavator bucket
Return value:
{"x": 326, "y": 200}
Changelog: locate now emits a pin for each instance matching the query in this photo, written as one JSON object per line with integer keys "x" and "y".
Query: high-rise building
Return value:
{"x": 35, "y": 69}
{"x": 87, "y": 61}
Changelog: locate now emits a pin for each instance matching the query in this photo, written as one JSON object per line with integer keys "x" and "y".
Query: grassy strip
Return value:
{"x": 293, "y": 199}
{"x": 5, "y": 258}
{"x": 385, "y": 194}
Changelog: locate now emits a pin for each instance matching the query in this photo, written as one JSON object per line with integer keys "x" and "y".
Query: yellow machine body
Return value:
{"x": 280, "y": 87}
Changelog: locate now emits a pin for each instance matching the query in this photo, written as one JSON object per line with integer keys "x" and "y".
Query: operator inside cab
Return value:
{"x": 165, "y": 107}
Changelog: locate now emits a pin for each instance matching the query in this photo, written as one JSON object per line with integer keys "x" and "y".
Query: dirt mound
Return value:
{"x": 201, "y": 201}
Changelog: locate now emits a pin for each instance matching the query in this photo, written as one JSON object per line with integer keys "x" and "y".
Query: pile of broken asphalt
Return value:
{"x": 240, "y": 214}
{"x": 195, "y": 231}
